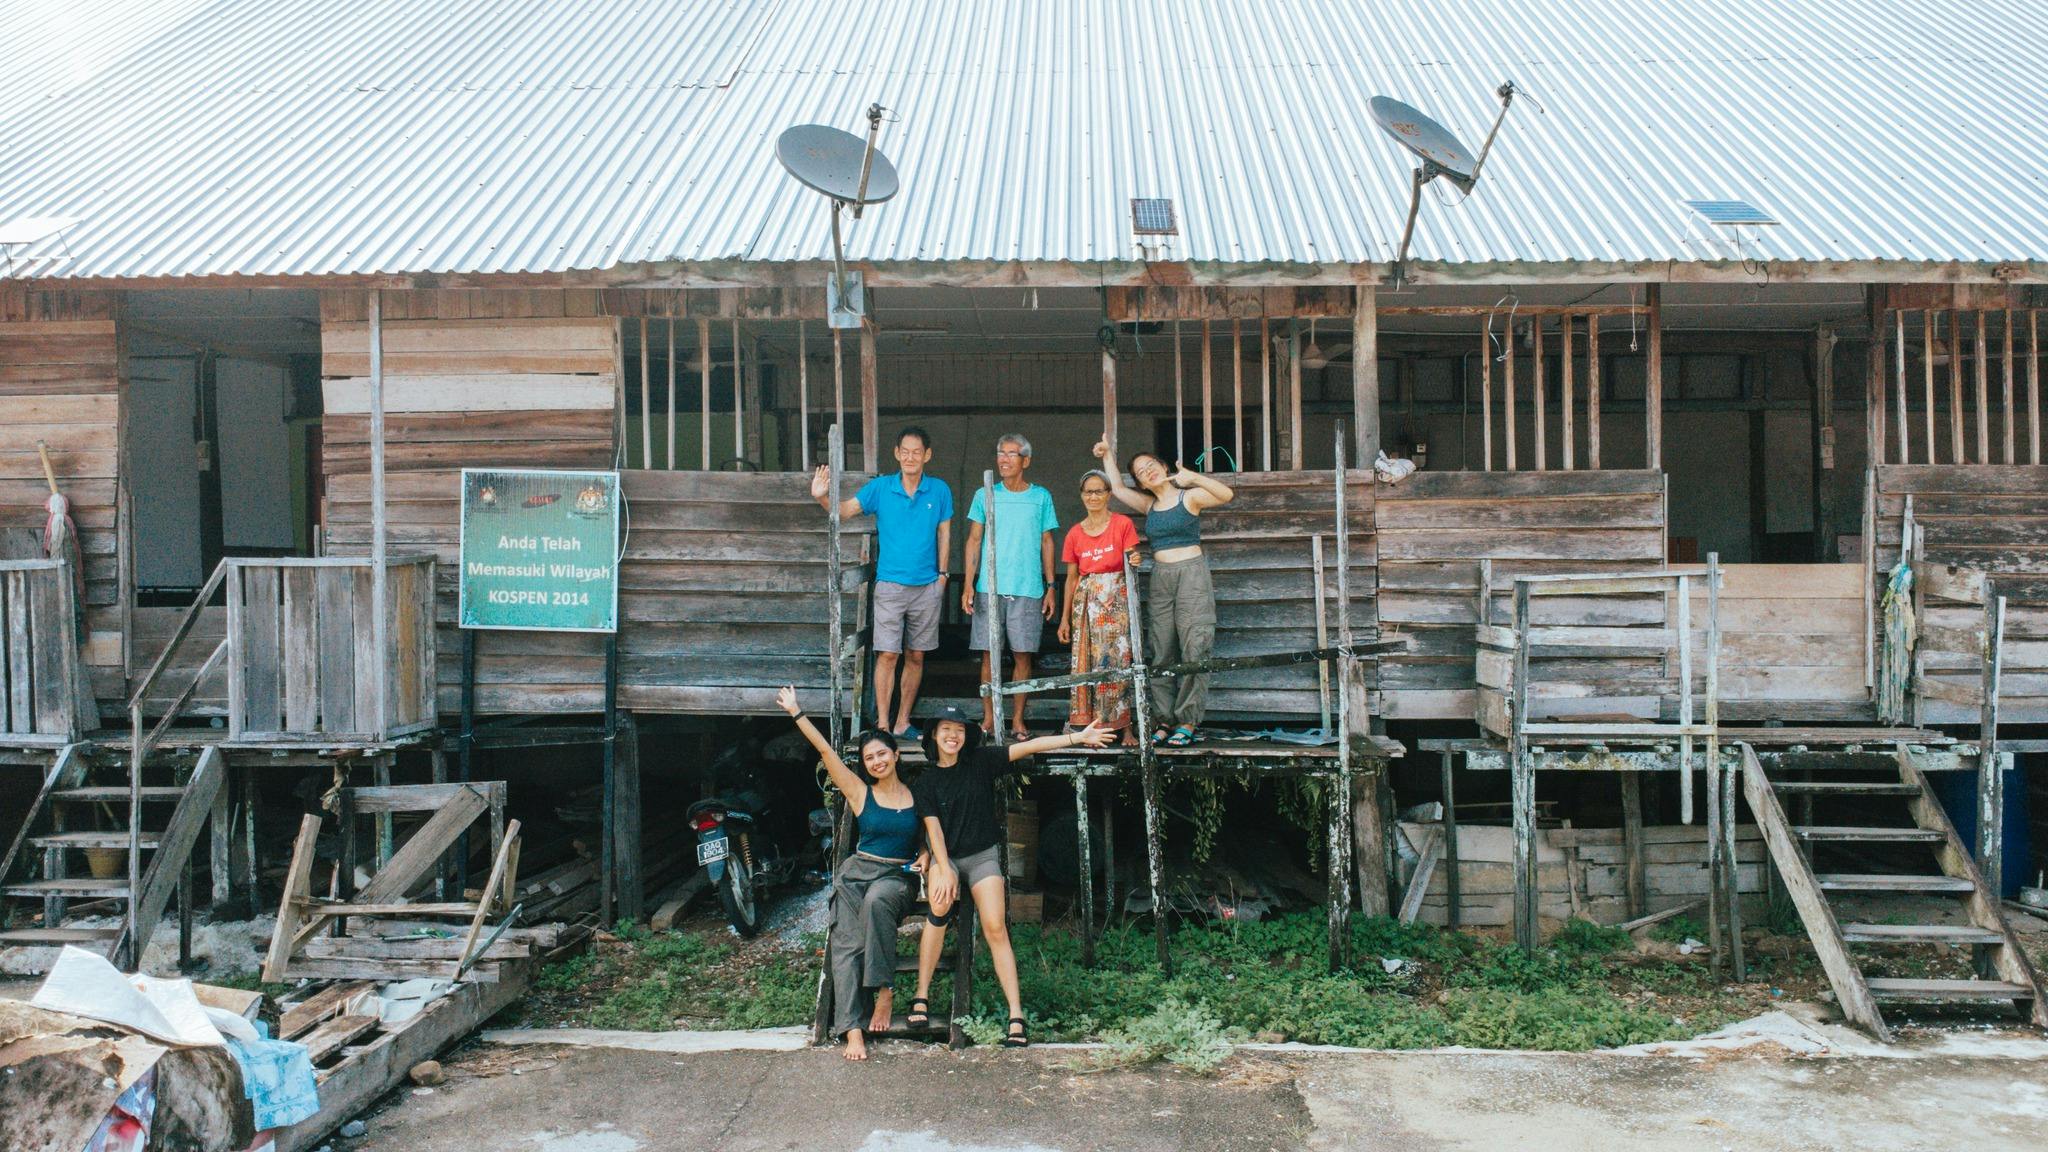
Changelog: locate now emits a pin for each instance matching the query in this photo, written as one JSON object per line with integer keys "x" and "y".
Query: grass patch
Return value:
{"x": 1406, "y": 986}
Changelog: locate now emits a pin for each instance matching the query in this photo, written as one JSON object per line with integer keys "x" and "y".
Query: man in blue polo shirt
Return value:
{"x": 913, "y": 523}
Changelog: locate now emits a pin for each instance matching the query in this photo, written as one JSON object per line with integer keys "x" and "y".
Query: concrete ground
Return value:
{"x": 926, "y": 1099}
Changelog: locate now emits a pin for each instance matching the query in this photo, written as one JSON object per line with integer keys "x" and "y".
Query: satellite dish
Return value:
{"x": 850, "y": 172}
{"x": 1441, "y": 153}
{"x": 1432, "y": 142}
{"x": 838, "y": 164}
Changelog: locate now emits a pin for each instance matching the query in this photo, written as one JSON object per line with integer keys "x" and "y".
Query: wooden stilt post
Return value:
{"x": 671, "y": 393}
{"x": 1148, "y": 765}
{"x": 1637, "y": 885}
{"x": 1983, "y": 391}
{"x": 1522, "y": 785}
{"x": 1087, "y": 866}
{"x": 1486, "y": 397}
{"x": 1265, "y": 394}
{"x": 1564, "y": 393}
{"x": 1537, "y": 399}
{"x": 1593, "y": 392}
{"x": 380, "y": 624}
{"x": 1452, "y": 895}
{"x": 1294, "y": 456}
{"x": 1653, "y": 382}
{"x": 1180, "y": 416}
{"x": 704, "y": 389}
{"x": 870, "y": 403}
{"x": 1507, "y": 400}
{"x": 739, "y": 396}
{"x": 1956, "y": 419}
{"x": 2006, "y": 425}
{"x": 608, "y": 832}
{"x": 646, "y": 400}
{"x": 1208, "y": 397}
{"x": 1237, "y": 395}
{"x": 1109, "y": 400}
{"x": 1365, "y": 373}
{"x": 803, "y": 400}
{"x": 1990, "y": 780}
{"x": 1927, "y": 321}
{"x": 1823, "y": 445}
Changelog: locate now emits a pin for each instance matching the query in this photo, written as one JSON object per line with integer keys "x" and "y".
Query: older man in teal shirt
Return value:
{"x": 1015, "y": 576}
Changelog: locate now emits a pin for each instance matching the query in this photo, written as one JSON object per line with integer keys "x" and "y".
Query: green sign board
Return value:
{"x": 540, "y": 550}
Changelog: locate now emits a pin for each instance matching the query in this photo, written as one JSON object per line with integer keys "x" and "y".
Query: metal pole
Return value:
{"x": 994, "y": 607}
{"x": 835, "y": 447}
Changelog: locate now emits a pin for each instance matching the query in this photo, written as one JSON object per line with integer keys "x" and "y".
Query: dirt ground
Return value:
{"x": 926, "y": 1099}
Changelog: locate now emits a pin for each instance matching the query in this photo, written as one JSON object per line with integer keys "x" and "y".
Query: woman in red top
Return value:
{"x": 1097, "y": 619}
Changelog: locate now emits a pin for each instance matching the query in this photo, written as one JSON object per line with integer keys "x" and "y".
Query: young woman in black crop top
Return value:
{"x": 871, "y": 891}
{"x": 1180, "y": 603}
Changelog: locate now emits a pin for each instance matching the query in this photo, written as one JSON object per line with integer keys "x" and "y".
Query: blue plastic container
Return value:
{"x": 1957, "y": 792}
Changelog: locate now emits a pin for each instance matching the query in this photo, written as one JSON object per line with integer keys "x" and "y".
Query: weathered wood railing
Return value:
{"x": 303, "y": 659}
{"x": 38, "y": 651}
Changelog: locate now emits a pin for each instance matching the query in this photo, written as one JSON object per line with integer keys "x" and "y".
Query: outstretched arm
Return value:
{"x": 1131, "y": 497}
{"x": 1204, "y": 490}
{"x": 1093, "y": 736}
{"x": 848, "y": 782}
{"x": 821, "y": 491}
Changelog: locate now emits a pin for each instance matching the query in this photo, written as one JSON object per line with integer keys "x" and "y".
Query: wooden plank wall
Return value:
{"x": 1993, "y": 519}
{"x": 1793, "y": 642}
{"x": 1580, "y": 872}
{"x": 1261, "y": 554}
{"x": 719, "y": 597}
{"x": 60, "y": 382}
{"x": 1433, "y": 529}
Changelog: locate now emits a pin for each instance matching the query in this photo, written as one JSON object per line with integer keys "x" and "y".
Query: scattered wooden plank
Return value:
{"x": 327, "y": 1039}
{"x": 1418, "y": 884}
{"x": 294, "y": 1019}
{"x": 1659, "y": 917}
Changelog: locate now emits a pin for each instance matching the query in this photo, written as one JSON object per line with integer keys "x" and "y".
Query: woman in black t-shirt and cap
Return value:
{"x": 871, "y": 891}
{"x": 959, "y": 785}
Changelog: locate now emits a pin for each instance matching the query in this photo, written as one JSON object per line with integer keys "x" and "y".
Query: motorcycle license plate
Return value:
{"x": 711, "y": 850}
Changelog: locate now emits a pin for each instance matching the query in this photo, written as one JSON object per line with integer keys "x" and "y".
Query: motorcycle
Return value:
{"x": 747, "y": 852}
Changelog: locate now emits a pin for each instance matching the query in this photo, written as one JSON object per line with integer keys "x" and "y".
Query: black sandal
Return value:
{"x": 920, "y": 1014}
{"x": 1021, "y": 1038}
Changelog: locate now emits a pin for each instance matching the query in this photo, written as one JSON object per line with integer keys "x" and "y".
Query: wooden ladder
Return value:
{"x": 60, "y": 826}
{"x": 2005, "y": 974}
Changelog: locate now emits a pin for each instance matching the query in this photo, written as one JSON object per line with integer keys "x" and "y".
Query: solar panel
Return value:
{"x": 1153, "y": 218}
{"x": 1730, "y": 212}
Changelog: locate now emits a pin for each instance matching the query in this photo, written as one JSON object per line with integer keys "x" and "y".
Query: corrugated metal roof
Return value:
{"x": 310, "y": 137}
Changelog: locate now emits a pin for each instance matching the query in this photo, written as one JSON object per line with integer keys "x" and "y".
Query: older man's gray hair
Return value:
{"x": 1016, "y": 440}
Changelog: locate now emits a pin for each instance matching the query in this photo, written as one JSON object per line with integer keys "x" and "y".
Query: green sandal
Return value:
{"x": 1181, "y": 738}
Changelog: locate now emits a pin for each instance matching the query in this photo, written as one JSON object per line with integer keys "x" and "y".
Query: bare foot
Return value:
{"x": 856, "y": 1045}
{"x": 885, "y": 1005}
{"x": 1130, "y": 739}
{"x": 1020, "y": 734}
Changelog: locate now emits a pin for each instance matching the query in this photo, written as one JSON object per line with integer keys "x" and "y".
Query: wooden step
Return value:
{"x": 1888, "y": 988}
{"x": 90, "y": 840}
{"x": 26, "y": 936}
{"x": 1920, "y": 934}
{"x": 1815, "y": 832}
{"x": 70, "y": 886}
{"x": 115, "y": 795}
{"x": 1834, "y": 788}
{"x": 909, "y": 963}
{"x": 900, "y": 1029}
{"x": 1890, "y": 882}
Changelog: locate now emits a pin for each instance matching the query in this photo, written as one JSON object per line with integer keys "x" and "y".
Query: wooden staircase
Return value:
{"x": 1917, "y": 828}
{"x": 46, "y": 862}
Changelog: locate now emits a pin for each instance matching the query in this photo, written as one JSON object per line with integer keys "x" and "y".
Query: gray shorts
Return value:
{"x": 1023, "y": 622}
{"x": 908, "y": 612}
{"x": 983, "y": 865}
